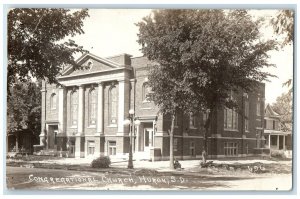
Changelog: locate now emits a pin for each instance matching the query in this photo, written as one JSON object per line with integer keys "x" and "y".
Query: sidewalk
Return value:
{"x": 157, "y": 165}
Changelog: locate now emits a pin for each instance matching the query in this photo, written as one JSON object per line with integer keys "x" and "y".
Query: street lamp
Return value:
{"x": 132, "y": 121}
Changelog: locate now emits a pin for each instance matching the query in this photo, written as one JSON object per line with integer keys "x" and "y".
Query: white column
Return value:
{"x": 121, "y": 108}
{"x": 269, "y": 141}
{"x": 277, "y": 141}
{"x": 80, "y": 110}
{"x": 100, "y": 109}
{"x": 43, "y": 113}
{"x": 138, "y": 138}
{"x": 153, "y": 133}
{"x": 61, "y": 109}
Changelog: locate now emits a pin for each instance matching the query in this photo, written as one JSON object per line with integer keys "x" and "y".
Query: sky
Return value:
{"x": 111, "y": 32}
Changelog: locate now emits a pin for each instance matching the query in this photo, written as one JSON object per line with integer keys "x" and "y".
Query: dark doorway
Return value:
{"x": 52, "y": 136}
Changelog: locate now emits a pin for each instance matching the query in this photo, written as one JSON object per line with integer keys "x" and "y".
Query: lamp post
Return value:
{"x": 131, "y": 121}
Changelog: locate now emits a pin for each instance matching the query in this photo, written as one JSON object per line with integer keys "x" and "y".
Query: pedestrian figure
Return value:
{"x": 177, "y": 165}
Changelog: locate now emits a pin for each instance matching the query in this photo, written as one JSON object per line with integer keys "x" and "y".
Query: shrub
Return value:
{"x": 101, "y": 162}
{"x": 278, "y": 154}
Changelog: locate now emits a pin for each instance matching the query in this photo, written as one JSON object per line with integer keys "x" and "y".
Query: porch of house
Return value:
{"x": 277, "y": 141}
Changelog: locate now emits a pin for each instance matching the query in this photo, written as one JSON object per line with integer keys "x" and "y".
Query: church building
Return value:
{"x": 84, "y": 117}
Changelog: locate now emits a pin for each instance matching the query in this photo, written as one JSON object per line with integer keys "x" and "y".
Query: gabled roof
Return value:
{"x": 269, "y": 112}
{"x": 95, "y": 63}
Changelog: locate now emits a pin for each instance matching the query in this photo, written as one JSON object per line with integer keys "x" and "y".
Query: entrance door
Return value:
{"x": 148, "y": 139}
{"x": 52, "y": 136}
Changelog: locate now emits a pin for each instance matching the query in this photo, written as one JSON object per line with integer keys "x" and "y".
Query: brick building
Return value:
{"x": 85, "y": 116}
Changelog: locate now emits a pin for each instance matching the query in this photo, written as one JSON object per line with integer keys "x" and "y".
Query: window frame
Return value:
{"x": 192, "y": 121}
{"x": 72, "y": 97}
{"x": 175, "y": 144}
{"x": 112, "y": 103}
{"x": 113, "y": 147}
{"x": 145, "y": 99}
{"x": 89, "y": 142}
{"x": 258, "y": 106}
{"x": 92, "y": 96}
{"x": 231, "y": 149}
{"x": 234, "y": 119}
{"x": 192, "y": 148}
{"x": 52, "y": 97}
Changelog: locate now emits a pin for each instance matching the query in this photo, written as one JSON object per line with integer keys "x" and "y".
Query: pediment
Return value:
{"x": 91, "y": 64}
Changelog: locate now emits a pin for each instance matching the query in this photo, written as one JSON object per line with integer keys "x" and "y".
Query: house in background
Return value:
{"x": 84, "y": 117}
{"x": 276, "y": 139}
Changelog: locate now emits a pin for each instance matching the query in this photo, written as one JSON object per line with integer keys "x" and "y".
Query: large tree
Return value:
{"x": 24, "y": 109}
{"x": 212, "y": 52}
{"x": 35, "y": 42}
{"x": 283, "y": 24}
{"x": 168, "y": 95}
{"x": 284, "y": 107}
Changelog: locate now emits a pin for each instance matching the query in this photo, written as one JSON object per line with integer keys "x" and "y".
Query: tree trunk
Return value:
{"x": 171, "y": 142}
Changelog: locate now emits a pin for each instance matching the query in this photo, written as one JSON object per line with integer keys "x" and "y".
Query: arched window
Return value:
{"x": 113, "y": 105}
{"x": 146, "y": 91}
{"x": 53, "y": 101}
{"x": 74, "y": 108}
{"x": 92, "y": 107}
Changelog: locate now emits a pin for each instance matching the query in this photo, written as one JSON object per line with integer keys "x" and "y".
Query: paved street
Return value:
{"x": 51, "y": 179}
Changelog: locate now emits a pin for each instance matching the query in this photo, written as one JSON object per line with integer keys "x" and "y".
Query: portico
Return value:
{"x": 74, "y": 109}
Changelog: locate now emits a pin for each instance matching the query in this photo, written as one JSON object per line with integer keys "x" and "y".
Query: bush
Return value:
{"x": 278, "y": 154}
{"x": 101, "y": 162}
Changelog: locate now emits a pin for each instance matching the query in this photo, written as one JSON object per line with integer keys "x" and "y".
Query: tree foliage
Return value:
{"x": 284, "y": 107}
{"x": 202, "y": 56}
{"x": 283, "y": 24}
{"x": 24, "y": 108}
{"x": 35, "y": 47}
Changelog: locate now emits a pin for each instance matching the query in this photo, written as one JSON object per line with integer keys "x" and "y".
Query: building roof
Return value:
{"x": 269, "y": 112}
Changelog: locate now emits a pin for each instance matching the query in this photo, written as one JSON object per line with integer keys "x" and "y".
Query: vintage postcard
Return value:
{"x": 149, "y": 99}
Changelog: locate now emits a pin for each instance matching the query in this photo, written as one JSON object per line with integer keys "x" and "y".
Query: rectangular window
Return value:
{"x": 246, "y": 109}
{"x": 265, "y": 123}
{"x": 274, "y": 125}
{"x": 74, "y": 108}
{"x": 258, "y": 106}
{"x": 112, "y": 147}
{"x": 92, "y": 107}
{"x": 246, "y": 125}
{"x": 91, "y": 147}
{"x": 230, "y": 119}
{"x": 192, "y": 121}
{"x": 230, "y": 149}
{"x": 175, "y": 145}
{"x": 192, "y": 148}
{"x": 113, "y": 105}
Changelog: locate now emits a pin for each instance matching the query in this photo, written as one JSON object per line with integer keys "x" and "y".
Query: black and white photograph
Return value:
{"x": 185, "y": 99}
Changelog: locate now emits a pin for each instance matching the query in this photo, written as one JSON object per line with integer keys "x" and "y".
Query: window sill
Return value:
{"x": 193, "y": 128}
{"x": 146, "y": 101}
{"x": 233, "y": 130}
{"x": 246, "y": 131}
{"x": 91, "y": 127}
{"x": 112, "y": 126}
{"x": 73, "y": 127}
{"x": 146, "y": 108}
